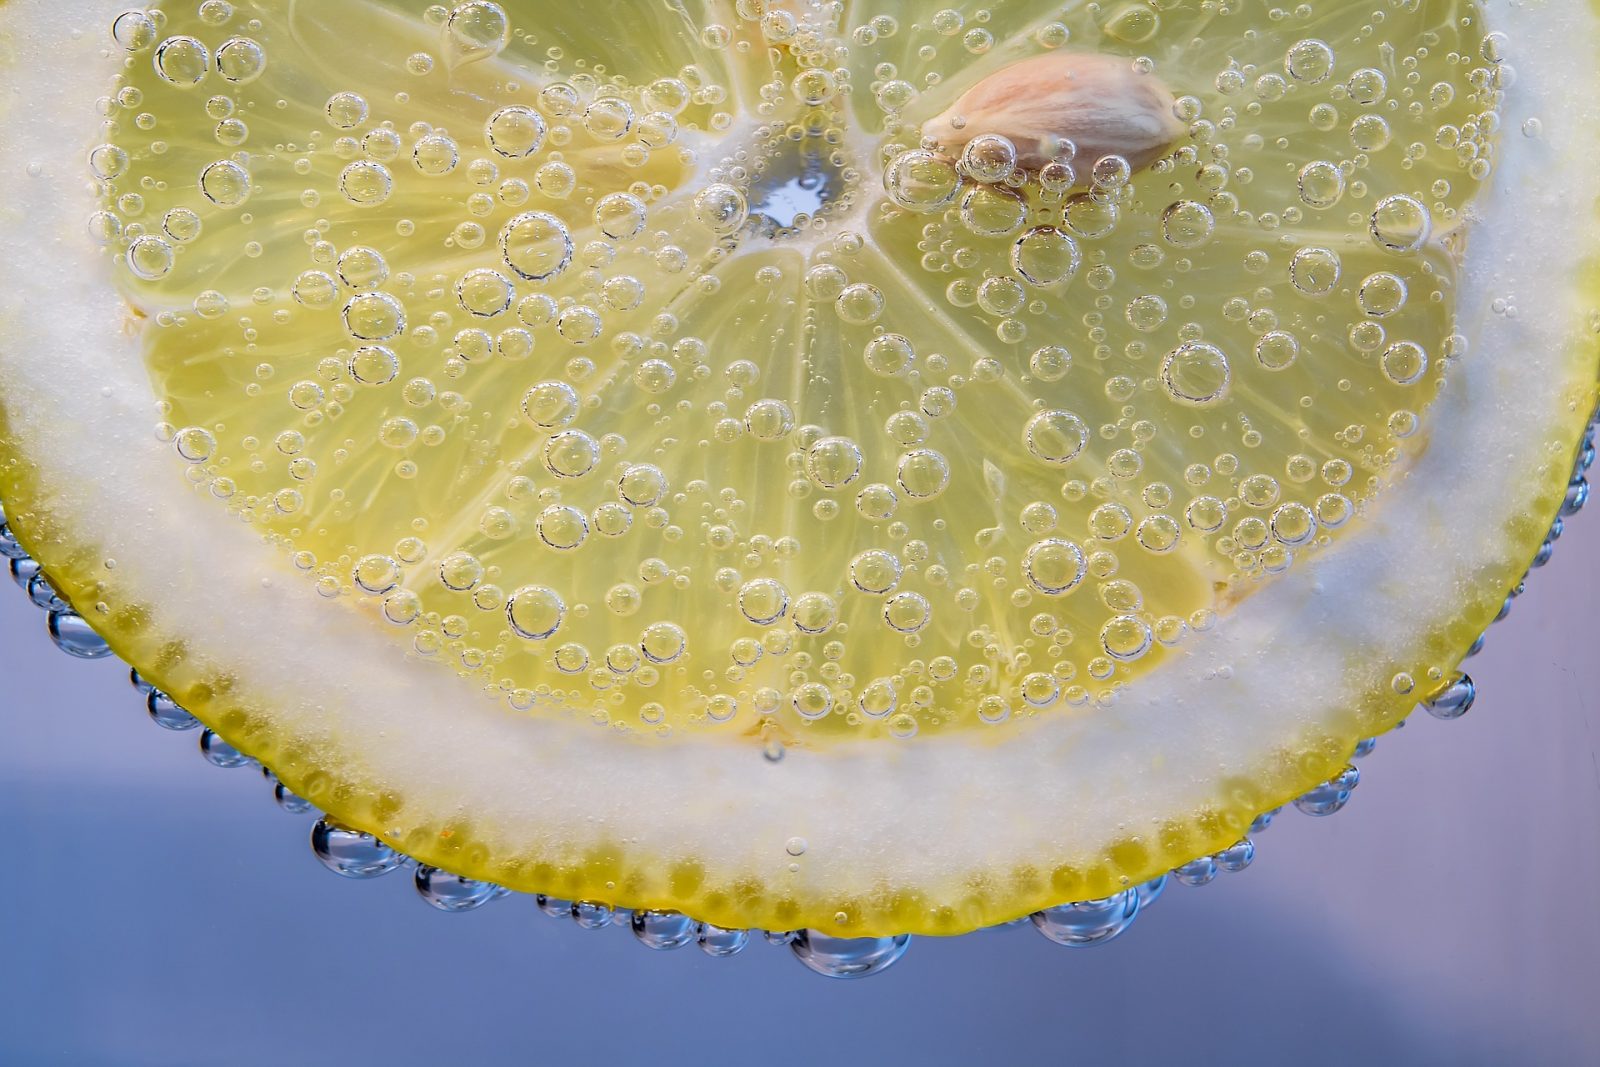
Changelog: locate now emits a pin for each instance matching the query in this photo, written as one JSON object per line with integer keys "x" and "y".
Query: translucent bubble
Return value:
{"x": 642, "y": 485}
{"x": 811, "y": 700}
{"x": 620, "y": 216}
{"x": 181, "y": 224}
{"x": 763, "y": 601}
{"x": 484, "y": 293}
{"x": 182, "y": 62}
{"x": 476, "y": 30}
{"x": 834, "y": 462}
{"x": 608, "y": 119}
{"x": 1126, "y": 638}
{"x": 1158, "y": 533}
{"x": 921, "y": 181}
{"x": 435, "y": 155}
{"x": 571, "y": 454}
{"x": 365, "y": 183}
{"x": 1054, "y": 566}
{"x": 535, "y": 612}
{"x": 1367, "y": 86}
{"x": 1187, "y": 224}
{"x": 1404, "y": 362}
{"x": 922, "y": 474}
{"x": 1276, "y": 349}
{"x": 460, "y": 571}
{"x": 875, "y": 571}
{"x": 515, "y": 132}
{"x": 374, "y": 317}
{"x": 374, "y": 365}
{"x": 1382, "y": 294}
{"x": 346, "y": 110}
{"x": 1309, "y": 61}
{"x": 104, "y": 227}
{"x": 362, "y": 268}
{"x": 989, "y": 158}
{"x": 377, "y": 573}
{"x": 579, "y": 324}
{"x": 562, "y": 526}
{"x": 1196, "y": 372}
{"x": 877, "y": 502}
{"x": 663, "y": 642}
{"x": 107, "y": 161}
{"x": 134, "y": 31}
{"x": 150, "y": 258}
{"x": 536, "y": 246}
{"x": 663, "y": 929}
{"x": 769, "y": 420}
{"x": 906, "y": 612}
{"x": 992, "y": 211}
{"x": 451, "y": 892}
{"x": 890, "y": 355}
{"x": 721, "y": 208}
{"x": 815, "y": 86}
{"x": 1050, "y": 363}
{"x": 315, "y": 289}
{"x": 815, "y": 613}
{"x": 1293, "y": 524}
{"x": 859, "y": 304}
{"x": 1315, "y": 271}
{"x": 195, "y": 444}
{"x": 1401, "y": 223}
{"x": 1370, "y": 133}
{"x": 1321, "y": 184}
{"x": 225, "y": 183}
{"x": 1045, "y": 256}
{"x": 352, "y": 853}
{"x": 1055, "y": 436}
{"x": 241, "y": 60}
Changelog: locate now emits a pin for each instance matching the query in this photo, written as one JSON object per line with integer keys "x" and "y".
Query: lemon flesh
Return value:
{"x": 605, "y": 453}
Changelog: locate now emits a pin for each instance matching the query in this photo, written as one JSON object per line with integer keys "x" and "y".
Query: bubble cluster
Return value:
{"x": 694, "y": 388}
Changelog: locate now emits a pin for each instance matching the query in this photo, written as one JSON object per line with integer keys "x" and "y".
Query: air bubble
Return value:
{"x": 763, "y": 601}
{"x": 1196, "y": 373}
{"x": 1401, "y": 224}
{"x": 1056, "y": 437}
{"x": 515, "y": 132}
{"x": 535, "y": 612}
{"x": 365, "y": 183}
{"x": 225, "y": 183}
{"x": 476, "y": 30}
{"x": 1187, "y": 224}
{"x": 1054, "y": 566}
{"x": 241, "y": 60}
{"x": 1309, "y": 61}
{"x": 1045, "y": 256}
{"x": 721, "y": 208}
{"x": 921, "y": 181}
{"x": 620, "y": 216}
{"x": 182, "y": 62}
{"x": 134, "y": 31}
{"x": 346, "y": 110}
{"x": 150, "y": 258}
{"x": 374, "y": 317}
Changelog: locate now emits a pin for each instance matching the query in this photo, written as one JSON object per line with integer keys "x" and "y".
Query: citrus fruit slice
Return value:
{"x": 848, "y": 466}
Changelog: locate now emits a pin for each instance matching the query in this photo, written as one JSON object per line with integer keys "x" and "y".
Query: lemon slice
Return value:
{"x": 859, "y": 467}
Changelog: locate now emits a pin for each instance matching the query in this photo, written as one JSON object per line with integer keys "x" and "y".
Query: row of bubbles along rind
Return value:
{"x": 356, "y": 854}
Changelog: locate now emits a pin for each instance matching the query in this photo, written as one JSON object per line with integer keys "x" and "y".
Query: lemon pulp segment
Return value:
{"x": 695, "y": 461}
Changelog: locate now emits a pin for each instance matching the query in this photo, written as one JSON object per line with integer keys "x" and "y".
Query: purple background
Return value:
{"x": 161, "y": 911}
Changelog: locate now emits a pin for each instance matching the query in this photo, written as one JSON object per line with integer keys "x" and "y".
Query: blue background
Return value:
{"x": 161, "y": 911}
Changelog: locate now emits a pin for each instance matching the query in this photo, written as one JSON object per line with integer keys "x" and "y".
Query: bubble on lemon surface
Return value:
{"x": 820, "y": 421}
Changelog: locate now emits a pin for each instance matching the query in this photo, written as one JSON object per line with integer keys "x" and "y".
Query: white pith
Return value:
{"x": 912, "y": 813}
